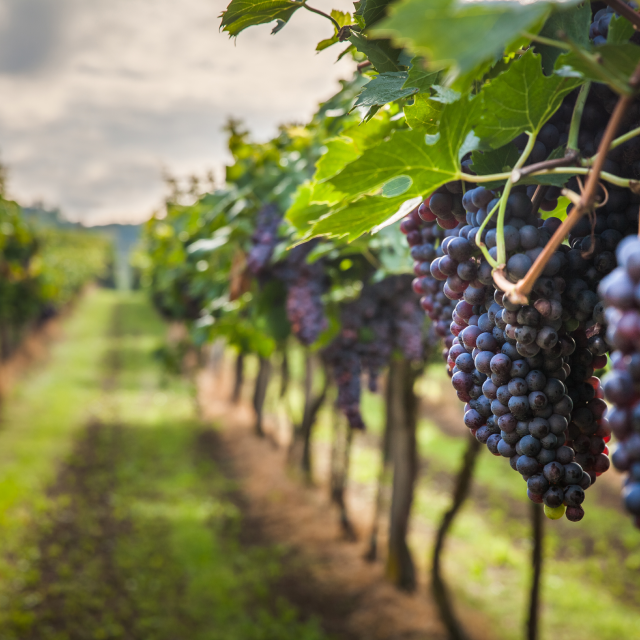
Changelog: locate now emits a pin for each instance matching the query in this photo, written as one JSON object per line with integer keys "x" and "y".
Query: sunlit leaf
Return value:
{"x": 241, "y": 14}
{"x": 573, "y": 24}
{"x": 380, "y": 53}
{"x": 407, "y": 153}
{"x": 357, "y": 218}
{"x": 459, "y": 35}
{"x": 521, "y": 99}
{"x": 611, "y": 63}
{"x": 383, "y": 89}
{"x": 424, "y": 114}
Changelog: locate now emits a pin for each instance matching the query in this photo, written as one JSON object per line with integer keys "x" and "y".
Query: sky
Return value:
{"x": 101, "y": 97}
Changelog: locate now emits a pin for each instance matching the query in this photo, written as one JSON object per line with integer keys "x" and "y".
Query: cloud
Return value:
{"x": 127, "y": 87}
{"x": 28, "y": 34}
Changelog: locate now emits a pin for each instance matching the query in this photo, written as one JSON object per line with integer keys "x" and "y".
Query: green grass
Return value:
{"x": 591, "y": 583}
{"x": 139, "y": 537}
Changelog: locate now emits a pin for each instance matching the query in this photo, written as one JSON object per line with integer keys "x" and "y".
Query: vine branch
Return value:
{"x": 322, "y": 13}
{"x": 538, "y": 197}
{"x": 567, "y": 160}
{"x": 625, "y": 10}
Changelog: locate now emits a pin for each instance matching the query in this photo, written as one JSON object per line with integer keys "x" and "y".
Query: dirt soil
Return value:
{"x": 326, "y": 575}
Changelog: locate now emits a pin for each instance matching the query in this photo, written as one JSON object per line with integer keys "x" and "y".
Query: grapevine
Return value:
{"x": 472, "y": 188}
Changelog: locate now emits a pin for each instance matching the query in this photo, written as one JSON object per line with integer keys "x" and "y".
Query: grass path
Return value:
{"x": 115, "y": 521}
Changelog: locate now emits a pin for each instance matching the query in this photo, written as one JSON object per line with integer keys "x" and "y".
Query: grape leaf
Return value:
{"x": 496, "y": 161}
{"x": 371, "y": 10}
{"x": 424, "y": 114}
{"x": 383, "y": 89}
{"x": 324, "y": 193}
{"x": 459, "y": 35}
{"x": 350, "y": 146}
{"x": 241, "y": 14}
{"x": 358, "y": 217}
{"x": 420, "y": 77}
{"x": 573, "y": 24}
{"x": 521, "y": 99}
{"x": 397, "y": 186}
{"x": 620, "y": 30}
{"x": 340, "y": 152}
{"x": 302, "y": 211}
{"x": 406, "y": 153}
{"x": 342, "y": 18}
{"x": 380, "y": 53}
{"x": 610, "y": 63}
{"x": 371, "y": 133}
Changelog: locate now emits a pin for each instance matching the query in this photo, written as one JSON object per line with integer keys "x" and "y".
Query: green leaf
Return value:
{"x": 610, "y": 63}
{"x": 445, "y": 95}
{"x": 365, "y": 136}
{"x": 521, "y": 99}
{"x": 497, "y": 161}
{"x": 397, "y": 186}
{"x": 459, "y": 35}
{"x": 372, "y": 10}
{"x": 350, "y": 146}
{"x": 383, "y": 89}
{"x": 342, "y": 18}
{"x": 380, "y": 53}
{"x": 349, "y": 49}
{"x": 620, "y": 30}
{"x": 358, "y": 217}
{"x": 324, "y": 193}
{"x": 573, "y": 24}
{"x": 241, "y": 14}
{"x": 340, "y": 152}
{"x": 406, "y": 153}
{"x": 302, "y": 212}
{"x": 420, "y": 77}
{"x": 424, "y": 114}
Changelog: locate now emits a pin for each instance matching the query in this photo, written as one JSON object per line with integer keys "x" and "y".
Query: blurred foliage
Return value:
{"x": 193, "y": 258}
{"x": 42, "y": 269}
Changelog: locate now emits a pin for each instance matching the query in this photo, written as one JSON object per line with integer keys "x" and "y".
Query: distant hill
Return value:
{"x": 123, "y": 236}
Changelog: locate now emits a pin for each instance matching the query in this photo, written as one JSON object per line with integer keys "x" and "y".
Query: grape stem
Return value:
{"x": 616, "y": 143}
{"x": 625, "y": 10}
{"x": 537, "y": 199}
{"x": 519, "y": 292}
{"x": 548, "y": 41}
{"x": 502, "y": 250}
{"x": 634, "y": 185}
{"x": 569, "y": 159}
{"x": 576, "y": 117}
{"x": 481, "y": 245}
{"x": 322, "y": 13}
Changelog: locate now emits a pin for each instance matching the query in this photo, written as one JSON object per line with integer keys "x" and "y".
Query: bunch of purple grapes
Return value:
{"x": 264, "y": 238}
{"x": 386, "y": 316}
{"x": 621, "y": 293}
{"x": 425, "y": 240}
{"x": 512, "y": 364}
{"x": 306, "y": 283}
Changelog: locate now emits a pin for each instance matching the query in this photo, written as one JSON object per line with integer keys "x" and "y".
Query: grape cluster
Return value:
{"x": 264, "y": 238}
{"x": 621, "y": 294}
{"x": 386, "y": 316}
{"x": 425, "y": 240}
{"x": 306, "y": 282}
{"x": 518, "y": 368}
{"x": 599, "y": 29}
